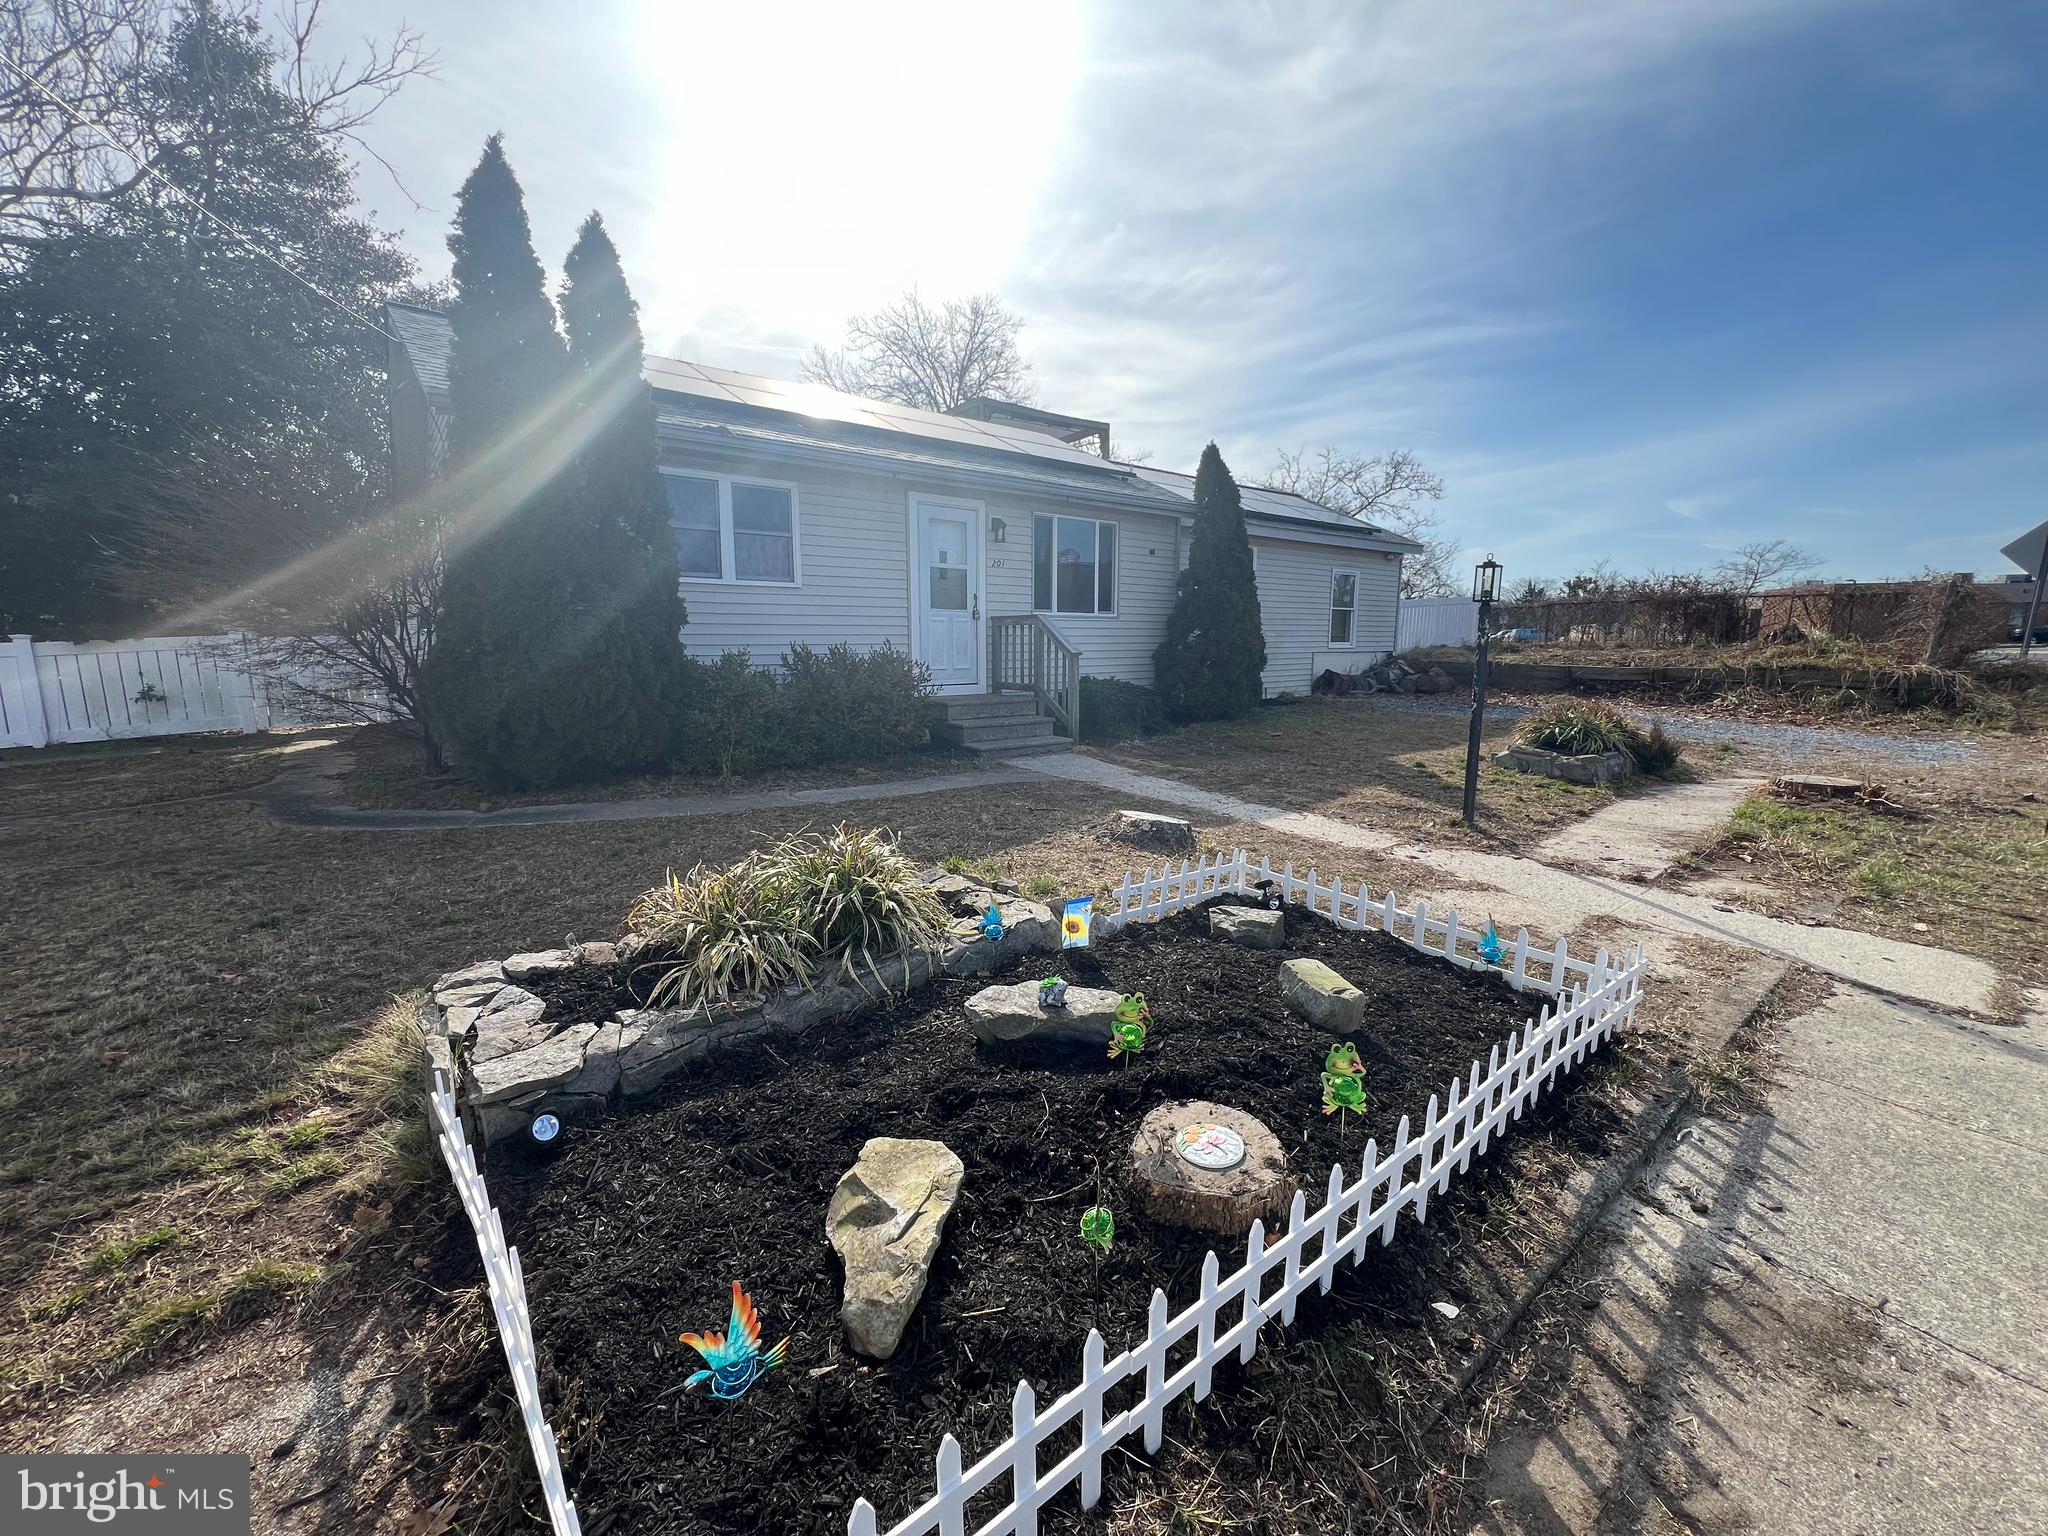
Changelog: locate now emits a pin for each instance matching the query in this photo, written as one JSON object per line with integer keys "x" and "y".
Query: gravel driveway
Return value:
{"x": 1794, "y": 743}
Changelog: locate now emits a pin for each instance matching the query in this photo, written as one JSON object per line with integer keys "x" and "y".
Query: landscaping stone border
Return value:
{"x": 1584, "y": 768}
{"x": 511, "y": 1059}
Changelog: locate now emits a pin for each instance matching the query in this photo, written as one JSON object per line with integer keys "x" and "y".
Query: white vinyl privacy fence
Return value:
{"x": 1436, "y": 621}
{"x": 1587, "y": 1001}
{"x": 105, "y": 690}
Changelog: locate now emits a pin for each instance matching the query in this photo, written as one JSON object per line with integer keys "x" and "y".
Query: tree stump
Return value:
{"x": 1211, "y": 1168}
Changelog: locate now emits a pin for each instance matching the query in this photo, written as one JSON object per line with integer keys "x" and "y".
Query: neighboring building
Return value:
{"x": 806, "y": 515}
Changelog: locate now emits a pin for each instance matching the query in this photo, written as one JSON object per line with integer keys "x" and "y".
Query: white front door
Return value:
{"x": 946, "y": 591}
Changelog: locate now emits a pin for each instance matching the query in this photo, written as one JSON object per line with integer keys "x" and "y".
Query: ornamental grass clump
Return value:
{"x": 856, "y": 896}
{"x": 1584, "y": 727}
{"x": 716, "y": 933}
{"x": 1580, "y": 729}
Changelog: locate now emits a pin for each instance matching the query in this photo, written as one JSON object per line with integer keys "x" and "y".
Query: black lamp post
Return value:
{"x": 1485, "y": 592}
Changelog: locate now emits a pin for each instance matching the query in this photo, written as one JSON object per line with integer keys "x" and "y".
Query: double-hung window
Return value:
{"x": 1073, "y": 565}
{"x": 1343, "y": 605}
{"x": 733, "y": 530}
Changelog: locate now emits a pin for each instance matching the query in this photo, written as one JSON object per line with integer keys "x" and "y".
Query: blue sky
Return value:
{"x": 1641, "y": 281}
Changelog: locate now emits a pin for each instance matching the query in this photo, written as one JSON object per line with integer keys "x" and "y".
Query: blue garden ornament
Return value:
{"x": 734, "y": 1359}
{"x": 992, "y": 923}
{"x": 1491, "y": 950}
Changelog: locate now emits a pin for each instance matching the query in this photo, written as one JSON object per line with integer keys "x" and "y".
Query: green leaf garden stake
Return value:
{"x": 1343, "y": 1085}
{"x": 1098, "y": 1231}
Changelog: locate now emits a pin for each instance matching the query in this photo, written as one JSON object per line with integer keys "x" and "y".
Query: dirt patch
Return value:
{"x": 631, "y": 1235}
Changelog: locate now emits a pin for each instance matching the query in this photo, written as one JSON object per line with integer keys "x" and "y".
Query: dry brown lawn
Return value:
{"x": 1359, "y": 761}
{"x": 187, "y": 975}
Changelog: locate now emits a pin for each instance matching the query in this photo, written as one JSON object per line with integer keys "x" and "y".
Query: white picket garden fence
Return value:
{"x": 54, "y": 691}
{"x": 1228, "y": 1315}
{"x": 1435, "y": 621}
{"x": 1591, "y": 1000}
{"x": 507, "y": 1285}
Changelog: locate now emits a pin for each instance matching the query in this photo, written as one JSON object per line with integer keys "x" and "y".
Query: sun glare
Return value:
{"x": 896, "y": 145}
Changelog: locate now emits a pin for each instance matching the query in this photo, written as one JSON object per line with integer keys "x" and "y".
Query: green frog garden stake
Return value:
{"x": 1343, "y": 1083}
{"x": 1127, "y": 1032}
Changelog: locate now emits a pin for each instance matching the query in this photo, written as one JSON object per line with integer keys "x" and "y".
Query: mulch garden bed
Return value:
{"x": 633, "y": 1232}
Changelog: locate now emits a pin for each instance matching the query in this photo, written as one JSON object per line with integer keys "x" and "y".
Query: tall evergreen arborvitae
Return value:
{"x": 637, "y": 671}
{"x": 537, "y": 674}
{"x": 1208, "y": 666}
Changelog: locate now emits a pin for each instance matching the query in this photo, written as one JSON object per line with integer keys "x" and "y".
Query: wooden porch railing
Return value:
{"x": 1025, "y": 656}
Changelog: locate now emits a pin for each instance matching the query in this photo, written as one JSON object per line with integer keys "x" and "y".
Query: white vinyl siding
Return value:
{"x": 1296, "y": 587}
{"x": 853, "y": 565}
{"x": 1119, "y": 644}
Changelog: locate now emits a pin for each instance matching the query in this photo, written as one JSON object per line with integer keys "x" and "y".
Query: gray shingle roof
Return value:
{"x": 1264, "y": 504}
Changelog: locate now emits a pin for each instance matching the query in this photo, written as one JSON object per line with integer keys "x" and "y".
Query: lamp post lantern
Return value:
{"x": 1485, "y": 592}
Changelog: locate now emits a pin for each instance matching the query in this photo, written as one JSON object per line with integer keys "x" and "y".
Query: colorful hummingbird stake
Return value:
{"x": 992, "y": 923}
{"x": 1343, "y": 1081}
{"x": 1098, "y": 1228}
{"x": 1127, "y": 1033}
{"x": 734, "y": 1358}
{"x": 1075, "y": 920}
{"x": 1490, "y": 947}
{"x": 1052, "y": 993}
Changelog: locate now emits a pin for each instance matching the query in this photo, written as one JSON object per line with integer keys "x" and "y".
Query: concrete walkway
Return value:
{"x": 1523, "y": 892}
{"x": 1640, "y": 837}
{"x": 1824, "y": 1316}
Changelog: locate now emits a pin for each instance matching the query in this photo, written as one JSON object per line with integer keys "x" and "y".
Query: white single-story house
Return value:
{"x": 984, "y": 542}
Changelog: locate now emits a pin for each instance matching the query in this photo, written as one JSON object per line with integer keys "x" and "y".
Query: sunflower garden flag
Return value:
{"x": 1080, "y": 912}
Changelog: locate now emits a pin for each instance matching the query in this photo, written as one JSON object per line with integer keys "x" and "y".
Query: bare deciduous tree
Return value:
{"x": 1765, "y": 563}
{"x": 79, "y": 126}
{"x": 932, "y": 358}
{"x": 336, "y": 602}
{"x": 1391, "y": 490}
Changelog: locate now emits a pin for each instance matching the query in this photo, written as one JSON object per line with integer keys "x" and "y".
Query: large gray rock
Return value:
{"x": 657, "y": 1044}
{"x": 1253, "y": 927}
{"x": 597, "y": 952}
{"x": 1321, "y": 996}
{"x": 798, "y": 1010}
{"x": 539, "y": 962}
{"x": 1585, "y": 768}
{"x": 598, "y": 1077}
{"x": 1013, "y": 1012}
{"x": 472, "y": 975}
{"x": 1029, "y": 928}
{"x": 547, "y": 1065}
{"x": 887, "y": 1215}
{"x": 510, "y": 1021}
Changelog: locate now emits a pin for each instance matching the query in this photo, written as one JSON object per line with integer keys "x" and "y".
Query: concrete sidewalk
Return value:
{"x": 1546, "y": 899}
{"x": 1825, "y": 1316}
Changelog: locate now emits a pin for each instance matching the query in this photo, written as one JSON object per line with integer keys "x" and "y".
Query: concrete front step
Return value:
{"x": 1030, "y": 746}
{"x": 986, "y": 706}
{"x": 967, "y": 732}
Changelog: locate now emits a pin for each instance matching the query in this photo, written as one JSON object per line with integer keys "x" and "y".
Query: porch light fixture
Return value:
{"x": 995, "y": 530}
{"x": 1486, "y": 581}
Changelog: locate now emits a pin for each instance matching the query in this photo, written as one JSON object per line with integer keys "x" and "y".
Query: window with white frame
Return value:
{"x": 1073, "y": 565}
{"x": 734, "y": 530}
{"x": 1343, "y": 605}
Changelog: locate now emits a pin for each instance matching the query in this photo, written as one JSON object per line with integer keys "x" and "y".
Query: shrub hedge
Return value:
{"x": 1113, "y": 710}
{"x": 831, "y": 706}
